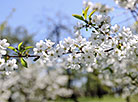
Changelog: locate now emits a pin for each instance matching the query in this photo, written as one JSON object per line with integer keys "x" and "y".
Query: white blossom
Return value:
{"x": 3, "y": 46}
{"x": 11, "y": 65}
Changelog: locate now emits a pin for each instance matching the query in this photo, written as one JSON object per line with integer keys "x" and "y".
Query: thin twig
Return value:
{"x": 132, "y": 12}
{"x": 21, "y": 56}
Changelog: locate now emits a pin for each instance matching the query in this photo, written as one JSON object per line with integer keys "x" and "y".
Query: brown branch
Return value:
{"x": 16, "y": 56}
{"x": 109, "y": 50}
{"x": 132, "y": 12}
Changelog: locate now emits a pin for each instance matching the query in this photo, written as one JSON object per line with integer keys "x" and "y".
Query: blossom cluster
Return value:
{"x": 108, "y": 50}
{"x": 101, "y": 8}
{"x": 128, "y": 4}
{"x": 6, "y": 65}
{"x": 39, "y": 83}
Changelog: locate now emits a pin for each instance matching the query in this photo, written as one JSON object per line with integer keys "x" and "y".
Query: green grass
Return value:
{"x": 104, "y": 99}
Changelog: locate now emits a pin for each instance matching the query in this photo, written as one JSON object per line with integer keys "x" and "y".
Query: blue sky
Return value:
{"x": 28, "y": 12}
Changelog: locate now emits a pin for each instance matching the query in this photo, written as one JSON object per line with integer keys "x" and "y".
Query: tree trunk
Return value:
{"x": 127, "y": 99}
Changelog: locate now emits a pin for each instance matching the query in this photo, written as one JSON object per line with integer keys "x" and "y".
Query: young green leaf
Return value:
{"x": 28, "y": 47}
{"x": 19, "y": 46}
{"x": 85, "y": 12}
{"x": 23, "y": 62}
{"x": 12, "y": 48}
{"x": 91, "y": 14}
{"x": 78, "y": 17}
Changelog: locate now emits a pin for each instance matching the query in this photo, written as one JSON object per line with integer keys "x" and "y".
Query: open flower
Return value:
{"x": 3, "y": 46}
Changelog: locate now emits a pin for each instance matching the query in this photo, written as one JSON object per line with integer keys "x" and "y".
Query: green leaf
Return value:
{"x": 19, "y": 46}
{"x": 23, "y": 62}
{"x": 85, "y": 12}
{"x": 78, "y": 17}
{"x": 12, "y": 48}
{"x": 91, "y": 14}
{"x": 28, "y": 47}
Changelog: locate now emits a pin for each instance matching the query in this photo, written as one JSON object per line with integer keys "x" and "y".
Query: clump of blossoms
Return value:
{"x": 123, "y": 78}
{"x": 3, "y": 46}
{"x": 101, "y": 8}
{"x": 128, "y": 4}
{"x": 116, "y": 53}
{"x": 6, "y": 65}
{"x": 108, "y": 50}
{"x": 39, "y": 83}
